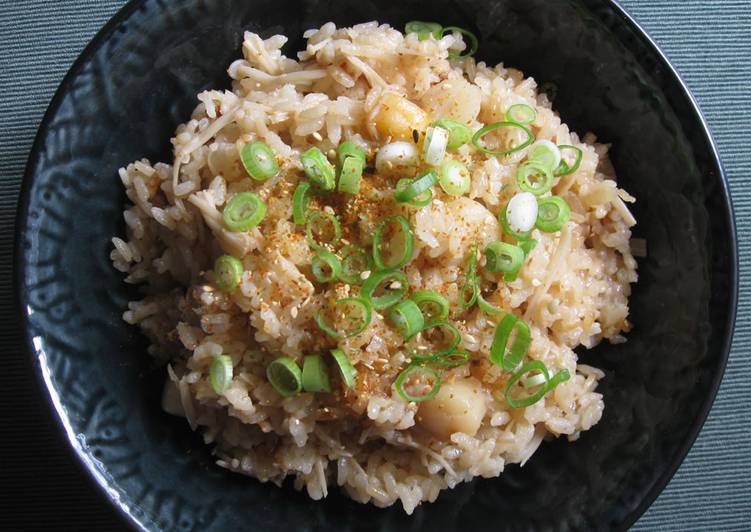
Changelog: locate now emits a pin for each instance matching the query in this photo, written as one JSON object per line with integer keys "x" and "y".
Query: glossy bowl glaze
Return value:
{"x": 138, "y": 79}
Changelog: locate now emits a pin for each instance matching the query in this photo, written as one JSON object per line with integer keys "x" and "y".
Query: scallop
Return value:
{"x": 453, "y": 98}
{"x": 459, "y": 406}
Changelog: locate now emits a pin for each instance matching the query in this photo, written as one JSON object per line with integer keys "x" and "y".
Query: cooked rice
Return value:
{"x": 573, "y": 289}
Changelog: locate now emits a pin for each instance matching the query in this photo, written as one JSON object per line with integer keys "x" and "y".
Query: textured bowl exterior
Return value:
{"x": 138, "y": 79}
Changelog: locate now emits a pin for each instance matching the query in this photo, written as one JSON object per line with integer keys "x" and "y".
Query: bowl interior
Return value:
{"x": 123, "y": 100}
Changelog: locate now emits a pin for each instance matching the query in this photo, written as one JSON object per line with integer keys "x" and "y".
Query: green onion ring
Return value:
{"x": 521, "y": 113}
{"x": 315, "y": 378}
{"x": 500, "y": 153}
{"x": 407, "y": 317}
{"x": 407, "y": 373}
{"x": 259, "y": 161}
{"x": 407, "y": 246}
{"x": 285, "y": 376}
{"x": 325, "y": 260}
{"x": 355, "y": 260}
{"x": 416, "y": 188}
{"x": 350, "y": 149}
{"x": 455, "y": 179}
{"x": 559, "y": 378}
{"x": 365, "y": 309}
{"x": 346, "y": 369}
{"x": 351, "y": 175}
{"x": 301, "y": 201}
{"x": 532, "y": 365}
{"x": 485, "y": 306}
{"x": 227, "y": 272}
{"x": 459, "y": 134}
{"x": 318, "y": 168}
{"x": 456, "y": 337}
{"x": 503, "y": 257}
{"x": 424, "y": 30}
{"x": 434, "y": 306}
{"x": 474, "y": 43}
{"x": 316, "y": 218}
{"x": 563, "y": 167}
{"x": 470, "y": 285}
{"x": 423, "y": 200}
{"x": 529, "y": 169}
{"x": 393, "y": 296}
{"x": 220, "y": 373}
{"x": 243, "y": 212}
{"x": 552, "y": 214}
{"x": 499, "y": 355}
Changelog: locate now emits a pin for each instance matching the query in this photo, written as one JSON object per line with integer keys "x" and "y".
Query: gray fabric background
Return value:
{"x": 709, "y": 41}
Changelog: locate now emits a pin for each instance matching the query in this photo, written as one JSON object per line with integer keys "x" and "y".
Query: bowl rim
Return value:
{"x": 41, "y": 371}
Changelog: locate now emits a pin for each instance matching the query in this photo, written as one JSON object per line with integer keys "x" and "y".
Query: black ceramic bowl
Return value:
{"x": 138, "y": 79}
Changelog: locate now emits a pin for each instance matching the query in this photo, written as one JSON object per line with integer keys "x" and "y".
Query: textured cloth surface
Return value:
{"x": 709, "y": 41}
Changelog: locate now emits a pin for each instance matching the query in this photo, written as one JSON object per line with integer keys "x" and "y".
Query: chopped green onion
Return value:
{"x": 564, "y": 168}
{"x": 315, "y": 378}
{"x": 350, "y": 149}
{"x": 416, "y": 190}
{"x": 393, "y": 283}
{"x": 227, "y": 270}
{"x": 259, "y": 161}
{"x": 446, "y": 360}
{"x": 220, "y": 373}
{"x": 470, "y": 287}
{"x": 396, "y": 251}
{"x": 559, "y": 378}
{"x": 243, "y": 212}
{"x": 300, "y": 202}
{"x": 503, "y": 218}
{"x": 326, "y": 266}
{"x": 509, "y": 358}
{"x": 424, "y": 30}
{"x": 535, "y": 380}
{"x": 545, "y": 153}
{"x": 421, "y": 200}
{"x": 503, "y": 257}
{"x": 407, "y": 318}
{"x": 434, "y": 306}
{"x": 316, "y": 229}
{"x": 485, "y": 306}
{"x": 521, "y": 113}
{"x": 436, "y": 141}
{"x": 350, "y": 175}
{"x": 285, "y": 376}
{"x": 417, "y": 374}
{"x": 318, "y": 168}
{"x": 496, "y": 125}
{"x": 356, "y": 324}
{"x": 473, "y": 43}
{"x": 455, "y": 179}
{"x": 535, "y": 178}
{"x": 346, "y": 369}
{"x": 442, "y": 337}
{"x": 527, "y": 245}
{"x": 459, "y": 134}
{"x": 355, "y": 260}
{"x": 552, "y": 214}
{"x": 522, "y": 402}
